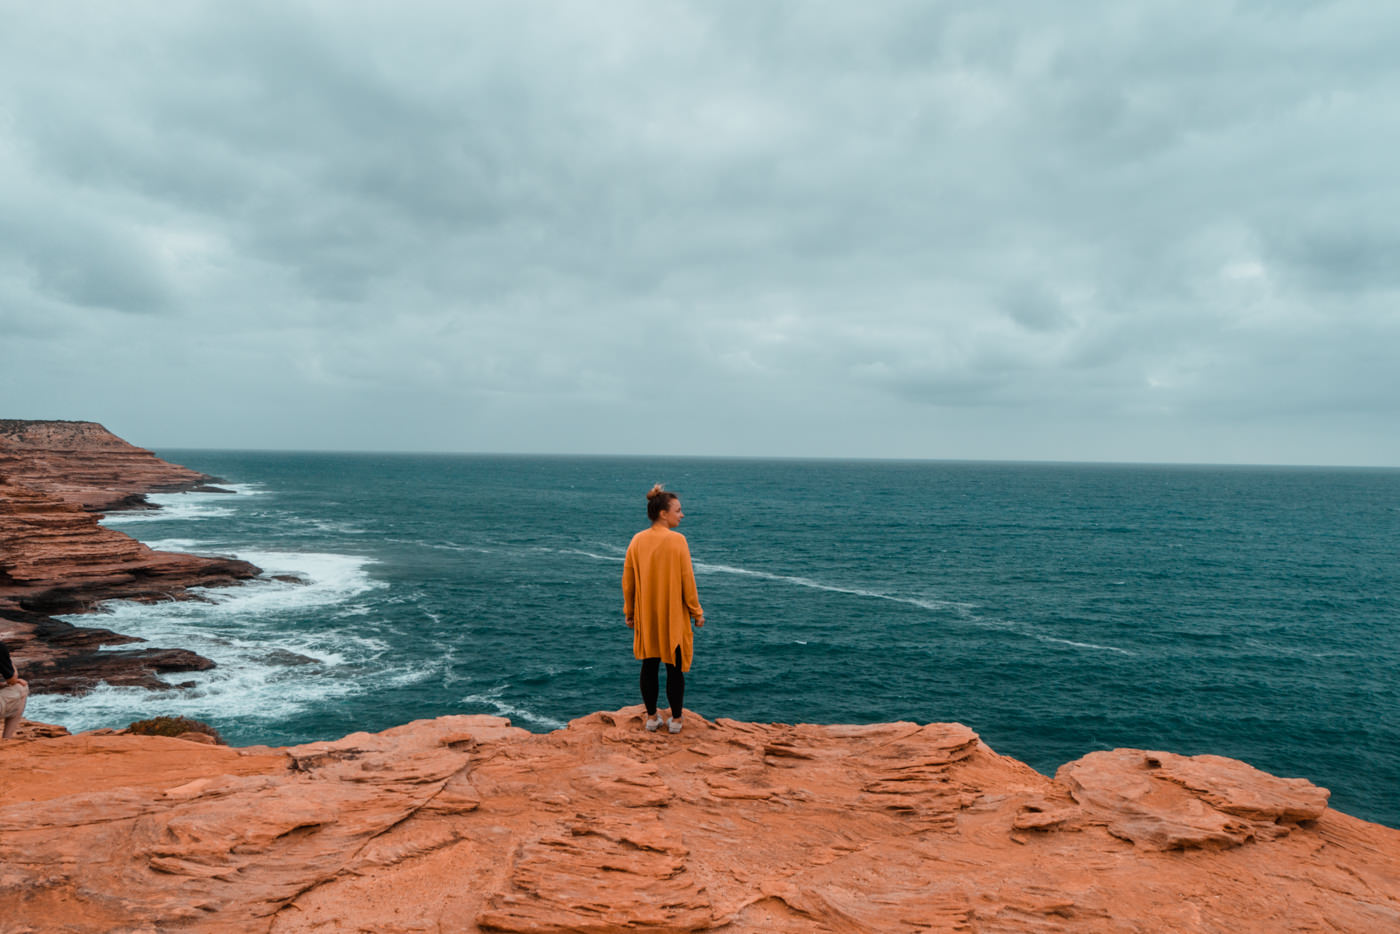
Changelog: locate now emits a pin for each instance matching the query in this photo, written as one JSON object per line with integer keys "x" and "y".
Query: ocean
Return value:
{"x": 1057, "y": 609}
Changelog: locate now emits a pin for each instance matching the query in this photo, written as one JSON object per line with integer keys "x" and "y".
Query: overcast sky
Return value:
{"x": 1134, "y": 230}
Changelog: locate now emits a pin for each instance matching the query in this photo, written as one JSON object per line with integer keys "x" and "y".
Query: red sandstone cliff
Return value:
{"x": 467, "y": 824}
{"x": 84, "y": 463}
{"x": 56, "y": 558}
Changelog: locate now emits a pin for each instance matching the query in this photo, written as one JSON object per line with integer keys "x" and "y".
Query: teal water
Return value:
{"x": 1055, "y": 609}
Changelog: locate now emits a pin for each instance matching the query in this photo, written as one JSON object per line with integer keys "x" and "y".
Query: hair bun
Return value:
{"x": 655, "y": 491}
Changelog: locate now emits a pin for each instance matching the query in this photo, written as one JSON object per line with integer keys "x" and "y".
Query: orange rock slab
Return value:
{"x": 468, "y": 824}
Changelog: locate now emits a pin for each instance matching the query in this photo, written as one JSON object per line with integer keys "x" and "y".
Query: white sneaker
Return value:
{"x": 675, "y": 726}
{"x": 654, "y": 723}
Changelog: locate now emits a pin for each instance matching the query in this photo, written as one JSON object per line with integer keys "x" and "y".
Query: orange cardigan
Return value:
{"x": 658, "y": 595}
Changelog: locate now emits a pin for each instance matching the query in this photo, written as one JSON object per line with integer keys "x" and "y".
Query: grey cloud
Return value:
{"x": 81, "y": 260}
{"x": 1032, "y": 307}
{"x": 1344, "y": 258}
{"x": 1111, "y": 211}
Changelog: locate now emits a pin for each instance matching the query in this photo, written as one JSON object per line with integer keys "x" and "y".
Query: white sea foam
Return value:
{"x": 233, "y": 696}
{"x": 176, "y": 507}
{"x": 325, "y": 525}
{"x": 270, "y": 665}
{"x": 175, "y": 544}
{"x": 243, "y": 489}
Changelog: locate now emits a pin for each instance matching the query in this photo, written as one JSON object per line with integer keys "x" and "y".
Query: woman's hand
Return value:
{"x": 631, "y": 623}
{"x": 699, "y": 622}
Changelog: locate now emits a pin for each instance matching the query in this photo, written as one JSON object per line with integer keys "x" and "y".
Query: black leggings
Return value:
{"x": 675, "y": 684}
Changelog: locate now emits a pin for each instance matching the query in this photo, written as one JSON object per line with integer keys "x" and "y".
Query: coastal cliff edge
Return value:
{"x": 465, "y": 823}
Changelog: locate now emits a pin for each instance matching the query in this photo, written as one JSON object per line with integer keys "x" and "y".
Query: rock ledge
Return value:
{"x": 465, "y": 823}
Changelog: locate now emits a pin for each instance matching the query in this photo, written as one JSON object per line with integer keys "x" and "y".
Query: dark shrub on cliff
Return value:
{"x": 174, "y": 726}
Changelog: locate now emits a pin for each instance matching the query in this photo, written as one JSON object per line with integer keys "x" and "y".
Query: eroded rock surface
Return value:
{"x": 468, "y": 824}
{"x": 55, "y": 557}
{"x": 85, "y": 464}
{"x": 1163, "y": 801}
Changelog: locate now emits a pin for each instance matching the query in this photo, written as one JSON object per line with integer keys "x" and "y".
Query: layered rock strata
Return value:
{"x": 467, "y": 824}
{"x": 55, "y": 557}
{"x": 85, "y": 464}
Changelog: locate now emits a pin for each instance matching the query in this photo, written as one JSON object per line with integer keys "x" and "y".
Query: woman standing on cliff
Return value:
{"x": 14, "y": 693}
{"x": 659, "y": 600}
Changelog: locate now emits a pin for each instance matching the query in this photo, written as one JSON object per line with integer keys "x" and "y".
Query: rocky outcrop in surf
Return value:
{"x": 55, "y": 557}
{"x": 465, "y": 823}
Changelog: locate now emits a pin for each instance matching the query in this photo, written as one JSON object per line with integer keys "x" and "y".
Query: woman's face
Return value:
{"x": 672, "y": 514}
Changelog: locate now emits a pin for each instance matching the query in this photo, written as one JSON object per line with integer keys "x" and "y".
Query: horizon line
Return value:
{"x": 780, "y": 457}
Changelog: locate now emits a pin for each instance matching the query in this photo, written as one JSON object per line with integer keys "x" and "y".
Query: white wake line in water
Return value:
{"x": 492, "y": 699}
{"x": 835, "y": 588}
{"x": 443, "y": 546}
{"x": 963, "y": 609}
{"x": 588, "y": 554}
{"x": 1078, "y": 645}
